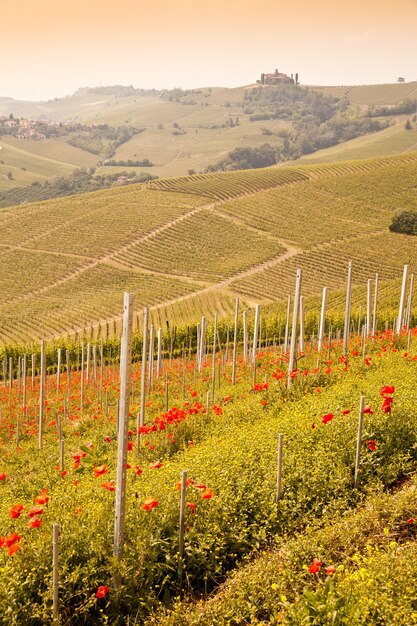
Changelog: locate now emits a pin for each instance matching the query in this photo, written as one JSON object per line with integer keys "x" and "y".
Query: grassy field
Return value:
{"x": 189, "y": 246}
{"x": 39, "y": 160}
{"x": 392, "y": 140}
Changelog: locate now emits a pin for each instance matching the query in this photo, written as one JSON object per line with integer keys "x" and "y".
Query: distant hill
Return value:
{"x": 189, "y": 245}
{"x": 189, "y": 130}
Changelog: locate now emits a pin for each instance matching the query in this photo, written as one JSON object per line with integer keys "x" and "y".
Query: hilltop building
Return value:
{"x": 277, "y": 78}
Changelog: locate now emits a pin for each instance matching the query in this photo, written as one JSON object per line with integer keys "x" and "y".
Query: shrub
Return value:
{"x": 405, "y": 223}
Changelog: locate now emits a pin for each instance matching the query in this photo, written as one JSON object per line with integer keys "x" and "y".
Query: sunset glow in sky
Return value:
{"x": 50, "y": 48}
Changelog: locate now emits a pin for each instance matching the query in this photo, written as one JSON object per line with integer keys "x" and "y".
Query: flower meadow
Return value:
{"x": 228, "y": 446}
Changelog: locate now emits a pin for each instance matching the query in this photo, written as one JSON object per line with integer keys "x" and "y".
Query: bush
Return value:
{"x": 405, "y": 223}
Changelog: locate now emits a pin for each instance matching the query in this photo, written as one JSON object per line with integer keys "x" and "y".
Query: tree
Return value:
{"x": 10, "y": 176}
{"x": 405, "y": 223}
{"x": 408, "y": 125}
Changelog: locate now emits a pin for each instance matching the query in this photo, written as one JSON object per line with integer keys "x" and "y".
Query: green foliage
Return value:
{"x": 405, "y": 223}
{"x": 102, "y": 139}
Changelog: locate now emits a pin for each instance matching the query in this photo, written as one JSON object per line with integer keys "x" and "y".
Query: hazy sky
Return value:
{"x": 50, "y": 48}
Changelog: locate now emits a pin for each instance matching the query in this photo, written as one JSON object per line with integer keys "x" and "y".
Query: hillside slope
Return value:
{"x": 188, "y": 246}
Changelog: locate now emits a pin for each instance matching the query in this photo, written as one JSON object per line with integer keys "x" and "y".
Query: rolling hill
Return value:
{"x": 190, "y": 245}
{"x": 184, "y": 131}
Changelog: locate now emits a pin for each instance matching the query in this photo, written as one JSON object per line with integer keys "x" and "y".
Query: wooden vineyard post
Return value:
{"x": 125, "y": 368}
{"x": 158, "y": 363}
{"x": 291, "y": 360}
{"x": 213, "y": 363}
{"x": 101, "y": 374}
{"x": 10, "y": 372}
{"x": 150, "y": 360}
{"x": 95, "y": 363}
{"x": 347, "y": 308}
{"x": 61, "y": 453}
{"x": 375, "y": 319}
{"x": 82, "y": 378}
{"x": 58, "y": 370}
{"x": 141, "y": 415}
{"x": 245, "y": 335}
{"x": 87, "y": 372}
{"x": 359, "y": 441}
{"x": 400, "y": 318}
{"x": 409, "y": 303}
{"x": 369, "y": 308}
{"x": 24, "y": 366}
{"x": 33, "y": 371}
{"x": 41, "y": 396}
{"x": 202, "y": 343}
{"x": 226, "y": 354}
{"x": 279, "y": 468}
{"x": 55, "y": 572}
{"x": 302, "y": 318}
{"x": 322, "y": 320}
{"x": 255, "y": 334}
{"x": 235, "y": 342}
{"x": 68, "y": 378}
{"x": 182, "y": 525}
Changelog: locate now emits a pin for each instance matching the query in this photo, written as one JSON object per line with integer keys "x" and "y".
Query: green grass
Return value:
{"x": 392, "y": 140}
{"x": 392, "y": 93}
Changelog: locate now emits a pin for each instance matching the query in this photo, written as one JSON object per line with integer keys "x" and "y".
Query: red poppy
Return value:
{"x": 155, "y": 465}
{"x": 327, "y": 418}
{"x": 102, "y": 591}
{"x": 387, "y": 389}
{"x": 345, "y": 411}
{"x": 13, "y": 548}
{"x": 329, "y": 570}
{"x": 34, "y": 522}
{"x": 41, "y": 499}
{"x": 35, "y": 510}
{"x": 107, "y": 439}
{"x": 191, "y": 506}
{"x": 410, "y": 521}
{"x": 315, "y": 566}
{"x": 16, "y": 510}
{"x": 200, "y": 486}
{"x": 3, "y": 476}
{"x": 150, "y": 503}
{"x": 207, "y": 494}
{"x": 368, "y": 410}
{"x": 189, "y": 481}
{"x": 11, "y": 539}
{"x": 109, "y": 485}
{"x": 138, "y": 470}
{"x": 100, "y": 470}
{"x": 371, "y": 445}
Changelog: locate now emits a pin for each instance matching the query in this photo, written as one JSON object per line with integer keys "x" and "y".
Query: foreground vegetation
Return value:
{"x": 229, "y": 449}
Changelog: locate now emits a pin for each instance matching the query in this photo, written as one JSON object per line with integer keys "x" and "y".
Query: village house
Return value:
{"x": 277, "y": 78}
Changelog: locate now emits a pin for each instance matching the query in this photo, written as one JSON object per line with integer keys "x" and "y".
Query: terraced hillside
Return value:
{"x": 188, "y": 246}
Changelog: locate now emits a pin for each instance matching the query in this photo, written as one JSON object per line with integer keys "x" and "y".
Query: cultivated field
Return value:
{"x": 188, "y": 246}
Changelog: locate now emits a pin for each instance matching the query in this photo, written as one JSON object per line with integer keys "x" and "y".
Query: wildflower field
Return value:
{"x": 327, "y": 545}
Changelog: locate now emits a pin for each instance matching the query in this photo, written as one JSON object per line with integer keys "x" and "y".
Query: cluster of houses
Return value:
{"x": 22, "y": 129}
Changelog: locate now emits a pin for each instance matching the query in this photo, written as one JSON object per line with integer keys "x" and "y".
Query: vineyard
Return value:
{"x": 188, "y": 246}
{"x": 213, "y": 462}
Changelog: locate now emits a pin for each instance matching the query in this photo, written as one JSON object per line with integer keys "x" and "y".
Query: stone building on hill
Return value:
{"x": 277, "y": 78}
